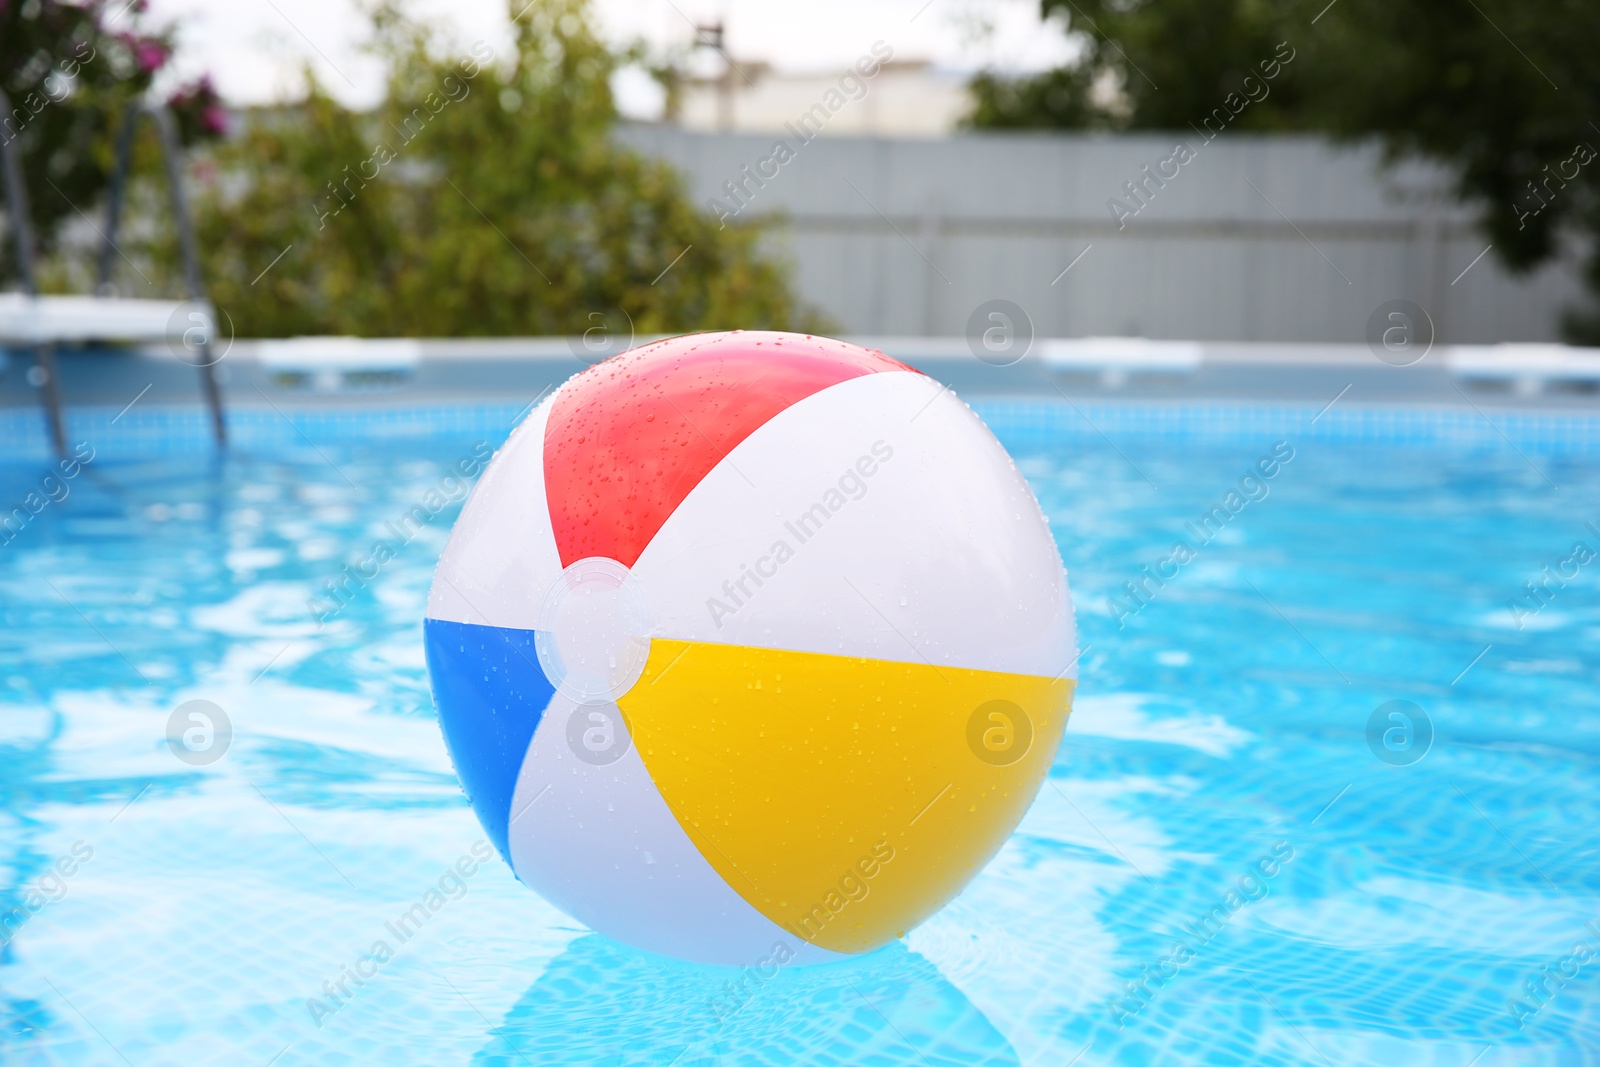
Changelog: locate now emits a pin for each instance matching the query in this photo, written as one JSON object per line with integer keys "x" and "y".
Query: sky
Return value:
{"x": 254, "y": 49}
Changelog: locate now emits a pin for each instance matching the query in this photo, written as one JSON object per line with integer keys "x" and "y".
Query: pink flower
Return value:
{"x": 150, "y": 55}
{"x": 214, "y": 119}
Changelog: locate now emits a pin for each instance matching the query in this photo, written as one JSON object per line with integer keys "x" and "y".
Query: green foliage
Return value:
{"x": 70, "y": 70}
{"x": 1150, "y": 66}
{"x": 485, "y": 196}
{"x": 1503, "y": 92}
{"x": 1060, "y": 98}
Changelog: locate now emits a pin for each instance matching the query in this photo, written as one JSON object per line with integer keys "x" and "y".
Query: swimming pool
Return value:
{"x": 1229, "y": 864}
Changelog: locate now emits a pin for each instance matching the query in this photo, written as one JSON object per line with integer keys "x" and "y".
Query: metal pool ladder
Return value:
{"x": 43, "y": 322}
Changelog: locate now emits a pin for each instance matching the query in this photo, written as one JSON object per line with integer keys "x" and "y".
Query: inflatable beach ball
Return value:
{"x": 751, "y": 646}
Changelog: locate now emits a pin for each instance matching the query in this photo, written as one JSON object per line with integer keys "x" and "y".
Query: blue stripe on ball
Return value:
{"x": 491, "y": 694}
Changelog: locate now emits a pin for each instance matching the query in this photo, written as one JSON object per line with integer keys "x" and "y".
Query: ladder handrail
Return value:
{"x": 22, "y": 230}
{"x": 166, "y": 132}
{"x": 22, "y": 233}
{"x": 17, "y": 202}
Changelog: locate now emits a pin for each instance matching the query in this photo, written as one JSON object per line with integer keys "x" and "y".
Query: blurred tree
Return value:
{"x": 1505, "y": 93}
{"x": 484, "y": 196}
{"x": 1150, "y": 66}
{"x": 70, "y": 70}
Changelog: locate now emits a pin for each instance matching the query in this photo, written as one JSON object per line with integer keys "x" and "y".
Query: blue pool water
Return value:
{"x": 1388, "y": 912}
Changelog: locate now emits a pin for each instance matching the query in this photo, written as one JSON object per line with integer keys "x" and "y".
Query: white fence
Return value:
{"x": 1256, "y": 238}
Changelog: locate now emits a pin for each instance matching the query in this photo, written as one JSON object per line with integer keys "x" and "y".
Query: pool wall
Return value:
{"x": 146, "y": 401}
